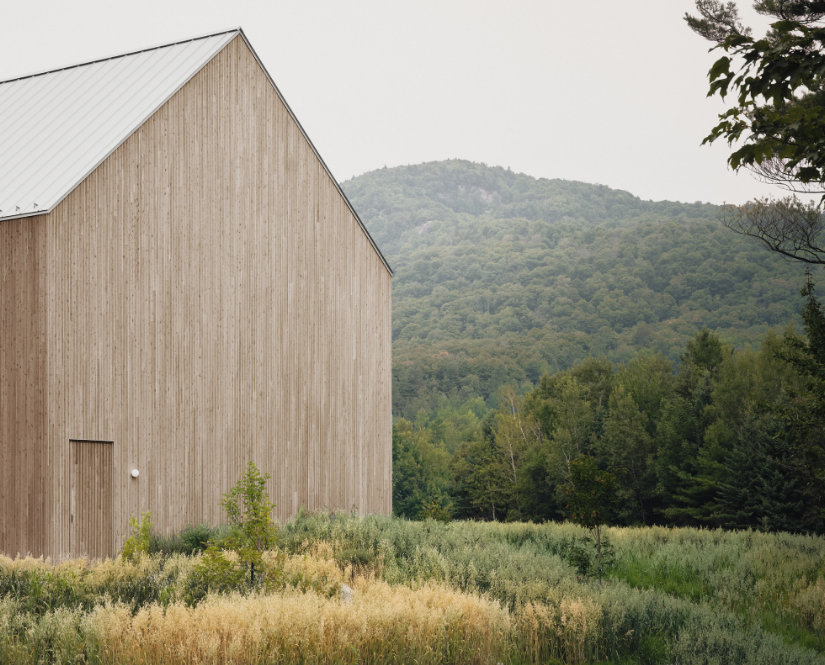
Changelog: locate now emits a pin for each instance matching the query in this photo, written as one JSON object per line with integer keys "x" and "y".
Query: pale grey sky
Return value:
{"x": 599, "y": 91}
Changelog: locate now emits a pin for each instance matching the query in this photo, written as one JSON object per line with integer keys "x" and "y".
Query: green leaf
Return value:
{"x": 720, "y": 67}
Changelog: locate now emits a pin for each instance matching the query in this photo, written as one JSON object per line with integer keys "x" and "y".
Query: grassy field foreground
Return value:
{"x": 384, "y": 590}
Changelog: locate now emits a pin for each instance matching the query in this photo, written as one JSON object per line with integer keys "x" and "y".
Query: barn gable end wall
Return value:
{"x": 211, "y": 299}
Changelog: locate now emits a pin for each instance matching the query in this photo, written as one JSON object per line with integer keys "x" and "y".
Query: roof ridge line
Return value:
{"x": 121, "y": 55}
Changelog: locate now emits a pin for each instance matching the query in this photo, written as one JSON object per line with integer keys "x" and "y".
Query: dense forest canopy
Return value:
{"x": 551, "y": 336}
{"x": 501, "y": 277}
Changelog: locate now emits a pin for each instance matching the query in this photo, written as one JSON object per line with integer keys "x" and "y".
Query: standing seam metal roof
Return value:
{"x": 56, "y": 127}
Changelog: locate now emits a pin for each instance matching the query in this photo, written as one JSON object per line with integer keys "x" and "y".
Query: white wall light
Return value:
{"x": 135, "y": 473}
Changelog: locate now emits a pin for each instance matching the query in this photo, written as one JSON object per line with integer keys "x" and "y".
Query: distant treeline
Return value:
{"x": 733, "y": 439}
{"x": 542, "y": 325}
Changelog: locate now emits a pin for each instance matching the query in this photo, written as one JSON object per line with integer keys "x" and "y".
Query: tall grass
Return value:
{"x": 697, "y": 584}
{"x": 41, "y": 587}
{"x": 381, "y": 624}
{"x": 777, "y": 580}
{"x": 429, "y": 592}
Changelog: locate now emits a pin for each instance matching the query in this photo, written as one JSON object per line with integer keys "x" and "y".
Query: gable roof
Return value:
{"x": 56, "y": 127}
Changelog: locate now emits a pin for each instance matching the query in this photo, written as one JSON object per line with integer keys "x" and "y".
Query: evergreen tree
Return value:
{"x": 745, "y": 475}
{"x": 758, "y": 487}
{"x": 804, "y": 412}
{"x": 681, "y": 430}
{"x": 626, "y": 449}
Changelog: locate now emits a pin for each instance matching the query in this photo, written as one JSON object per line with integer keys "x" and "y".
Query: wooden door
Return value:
{"x": 91, "y": 500}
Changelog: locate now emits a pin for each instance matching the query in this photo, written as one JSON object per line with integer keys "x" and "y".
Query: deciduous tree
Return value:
{"x": 590, "y": 498}
{"x": 775, "y": 121}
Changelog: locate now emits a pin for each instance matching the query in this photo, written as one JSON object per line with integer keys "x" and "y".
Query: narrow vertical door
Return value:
{"x": 91, "y": 498}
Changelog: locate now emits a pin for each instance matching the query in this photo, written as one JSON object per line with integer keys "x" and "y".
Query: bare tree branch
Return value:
{"x": 773, "y": 171}
{"x": 788, "y": 226}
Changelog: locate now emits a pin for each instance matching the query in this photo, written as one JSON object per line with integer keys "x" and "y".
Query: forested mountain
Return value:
{"x": 501, "y": 278}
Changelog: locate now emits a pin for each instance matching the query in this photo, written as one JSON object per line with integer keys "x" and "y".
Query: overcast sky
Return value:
{"x": 600, "y": 91}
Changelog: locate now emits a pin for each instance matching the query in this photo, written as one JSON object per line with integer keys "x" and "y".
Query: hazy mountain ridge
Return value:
{"x": 500, "y": 277}
{"x": 397, "y": 200}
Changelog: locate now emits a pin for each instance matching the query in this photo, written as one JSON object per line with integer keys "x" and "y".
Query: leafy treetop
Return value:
{"x": 777, "y": 119}
{"x": 778, "y": 114}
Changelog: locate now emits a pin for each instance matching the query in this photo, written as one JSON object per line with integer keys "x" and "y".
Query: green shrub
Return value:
{"x": 190, "y": 540}
{"x": 138, "y": 541}
{"x": 228, "y": 561}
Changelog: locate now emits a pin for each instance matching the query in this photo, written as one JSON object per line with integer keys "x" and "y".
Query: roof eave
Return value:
{"x": 23, "y": 215}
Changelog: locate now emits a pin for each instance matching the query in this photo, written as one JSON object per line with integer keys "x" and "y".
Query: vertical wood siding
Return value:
{"x": 212, "y": 300}
{"x": 24, "y": 506}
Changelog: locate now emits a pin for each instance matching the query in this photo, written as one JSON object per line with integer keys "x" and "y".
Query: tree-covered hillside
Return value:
{"x": 501, "y": 277}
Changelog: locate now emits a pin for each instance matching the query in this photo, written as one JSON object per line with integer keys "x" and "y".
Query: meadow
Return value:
{"x": 387, "y": 590}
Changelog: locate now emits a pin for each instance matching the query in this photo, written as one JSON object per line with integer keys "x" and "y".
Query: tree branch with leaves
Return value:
{"x": 775, "y": 122}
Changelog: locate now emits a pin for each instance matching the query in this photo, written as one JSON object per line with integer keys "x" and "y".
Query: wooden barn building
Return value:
{"x": 184, "y": 288}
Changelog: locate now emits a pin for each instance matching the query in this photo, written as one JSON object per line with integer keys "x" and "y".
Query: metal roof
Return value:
{"x": 58, "y": 126}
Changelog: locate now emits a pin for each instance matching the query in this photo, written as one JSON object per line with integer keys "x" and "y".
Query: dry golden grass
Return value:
{"x": 98, "y": 571}
{"x": 29, "y": 564}
{"x": 424, "y": 594}
{"x": 381, "y": 624}
{"x": 565, "y": 631}
{"x": 316, "y": 570}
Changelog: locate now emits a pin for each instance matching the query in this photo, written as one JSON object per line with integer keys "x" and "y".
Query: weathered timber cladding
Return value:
{"x": 204, "y": 298}
{"x": 25, "y": 513}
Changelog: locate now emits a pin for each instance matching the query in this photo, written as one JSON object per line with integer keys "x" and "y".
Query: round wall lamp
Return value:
{"x": 134, "y": 473}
